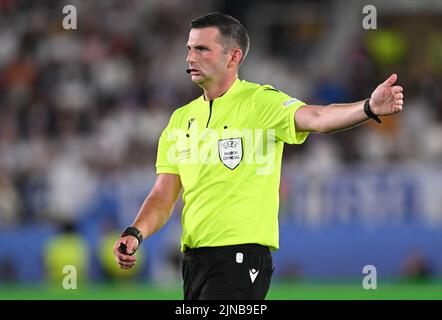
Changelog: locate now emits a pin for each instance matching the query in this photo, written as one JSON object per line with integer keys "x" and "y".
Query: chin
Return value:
{"x": 198, "y": 80}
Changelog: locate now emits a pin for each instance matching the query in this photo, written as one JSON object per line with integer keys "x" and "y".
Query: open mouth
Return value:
{"x": 194, "y": 71}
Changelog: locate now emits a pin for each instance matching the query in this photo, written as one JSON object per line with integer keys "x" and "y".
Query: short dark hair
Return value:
{"x": 229, "y": 28}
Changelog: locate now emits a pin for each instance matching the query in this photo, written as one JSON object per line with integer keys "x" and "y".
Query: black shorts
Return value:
{"x": 238, "y": 272}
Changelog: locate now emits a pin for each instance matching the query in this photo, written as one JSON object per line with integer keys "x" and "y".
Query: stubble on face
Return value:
{"x": 207, "y": 55}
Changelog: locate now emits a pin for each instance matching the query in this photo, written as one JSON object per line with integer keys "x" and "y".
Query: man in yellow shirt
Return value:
{"x": 224, "y": 150}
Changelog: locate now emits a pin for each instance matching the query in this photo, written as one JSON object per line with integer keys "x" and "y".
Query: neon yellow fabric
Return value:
{"x": 228, "y": 155}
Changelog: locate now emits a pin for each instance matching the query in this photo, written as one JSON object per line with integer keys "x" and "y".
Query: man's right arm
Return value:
{"x": 158, "y": 205}
{"x": 154, "y": 213}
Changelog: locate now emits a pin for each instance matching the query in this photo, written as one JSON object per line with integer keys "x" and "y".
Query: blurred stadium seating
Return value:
{"x": 81, "y": 112}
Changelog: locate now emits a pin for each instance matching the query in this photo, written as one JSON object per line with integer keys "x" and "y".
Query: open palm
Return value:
{"x": 387, "y": 99}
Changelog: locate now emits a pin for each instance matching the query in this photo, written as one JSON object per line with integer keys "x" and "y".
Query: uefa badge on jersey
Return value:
{"x": 230, "y": 152}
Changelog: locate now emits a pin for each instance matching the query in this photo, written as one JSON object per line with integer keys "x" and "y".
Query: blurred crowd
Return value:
{"x": 81, "y": 106}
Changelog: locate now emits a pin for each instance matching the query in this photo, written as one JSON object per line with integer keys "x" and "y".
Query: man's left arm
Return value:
{"x": 386, "y": 99}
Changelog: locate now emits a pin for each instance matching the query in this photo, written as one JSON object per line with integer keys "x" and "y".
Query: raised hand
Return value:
{"x": 387, "y": 99}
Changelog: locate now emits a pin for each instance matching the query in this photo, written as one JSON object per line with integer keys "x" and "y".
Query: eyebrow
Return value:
{"x": 198, "y": 47}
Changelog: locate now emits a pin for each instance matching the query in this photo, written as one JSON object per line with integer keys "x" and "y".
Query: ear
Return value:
{"x": 236, "y": 56}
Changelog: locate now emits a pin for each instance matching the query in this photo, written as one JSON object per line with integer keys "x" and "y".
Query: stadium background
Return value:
{"x": 81, "y": 112}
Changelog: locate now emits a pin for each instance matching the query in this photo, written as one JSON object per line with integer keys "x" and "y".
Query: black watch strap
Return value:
{"x": 132, "y": 231}
{"x": 368, "y": 112}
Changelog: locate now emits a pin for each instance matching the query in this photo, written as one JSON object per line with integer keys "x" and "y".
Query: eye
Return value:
{"x": 202, "y": 49}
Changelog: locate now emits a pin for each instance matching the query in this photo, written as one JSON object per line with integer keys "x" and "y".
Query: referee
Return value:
{"x": 224, "y": 150}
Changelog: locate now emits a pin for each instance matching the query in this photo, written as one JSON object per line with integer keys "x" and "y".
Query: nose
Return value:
{"x": 190, "y": 57}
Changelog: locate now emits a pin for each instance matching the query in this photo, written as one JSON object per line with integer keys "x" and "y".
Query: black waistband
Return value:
{"x": 252, "y": 247}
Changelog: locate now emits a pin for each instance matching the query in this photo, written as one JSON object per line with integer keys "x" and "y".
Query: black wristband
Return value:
{"x": 132, "y": 231}
{"x": 368, "y": 112}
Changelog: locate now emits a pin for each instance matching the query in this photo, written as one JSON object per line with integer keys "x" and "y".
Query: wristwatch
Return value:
{"x": 132, "y": 231}
{"x": 368, "y": 112}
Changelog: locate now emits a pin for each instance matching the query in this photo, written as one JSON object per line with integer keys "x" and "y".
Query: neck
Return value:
{"x": 218, "y": 89}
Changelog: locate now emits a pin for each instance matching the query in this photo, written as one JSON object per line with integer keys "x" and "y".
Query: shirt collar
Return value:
{"x": 235, "y": 87}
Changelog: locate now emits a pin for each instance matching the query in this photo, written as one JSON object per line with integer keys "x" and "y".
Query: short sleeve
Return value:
{"x": 166, "y": 154}
{"x": 276, "y": 110}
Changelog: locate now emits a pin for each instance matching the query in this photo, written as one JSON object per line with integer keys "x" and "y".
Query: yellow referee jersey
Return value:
{"x": 228, "y": 154}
